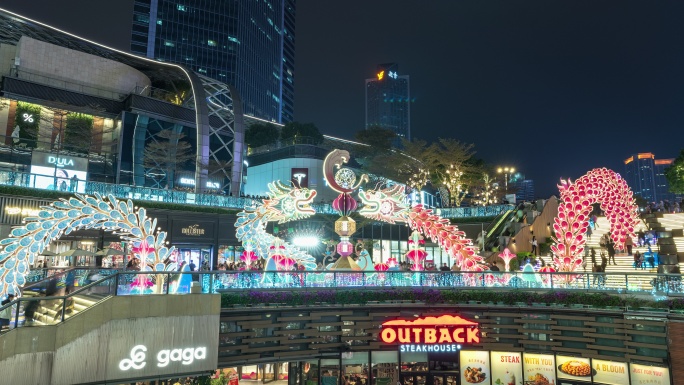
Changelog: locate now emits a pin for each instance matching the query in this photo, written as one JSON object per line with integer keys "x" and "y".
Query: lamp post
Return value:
{"x": 506, "y": 171}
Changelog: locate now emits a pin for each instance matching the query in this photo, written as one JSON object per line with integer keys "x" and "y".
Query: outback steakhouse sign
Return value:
{"x": 431, "y": 334}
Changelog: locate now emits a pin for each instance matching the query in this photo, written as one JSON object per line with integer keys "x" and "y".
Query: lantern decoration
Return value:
{"x": 287, "y": 263}
{"x": 616, "y": 199}
{"x": 381, "y": 267}
{"x": 416, "y": 253}
{"x": 344, "y": 204}
{"x": 507, "y": 256}
{"x": 392, "y": 262}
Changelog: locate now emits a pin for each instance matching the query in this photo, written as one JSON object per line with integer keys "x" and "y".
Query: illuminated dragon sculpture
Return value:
{"x": 598, "y": 185}
{"x": 389, "y": 205}
{"x": 284, "y": 204}
{"x": 80, "y": 212}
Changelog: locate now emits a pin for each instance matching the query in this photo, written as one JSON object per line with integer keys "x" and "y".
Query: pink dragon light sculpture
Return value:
{"x": 416, "y": 253}
{"x": 389, "y": 205}
{"x": 598, "y": 185}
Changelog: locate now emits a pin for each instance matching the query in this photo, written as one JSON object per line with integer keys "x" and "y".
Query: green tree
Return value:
{"x": 378, "y": 138}
{"x": 166, "y": 152}
{"x": 675, "y": 175}
{"x": 297, "y": 130}
{"x": 261, "y": 134}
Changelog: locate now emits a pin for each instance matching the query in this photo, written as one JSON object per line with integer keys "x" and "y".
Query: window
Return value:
{"x": 211, "y": 43}
{"x": 180, "y": 7}
{"x": 169, "y": 43}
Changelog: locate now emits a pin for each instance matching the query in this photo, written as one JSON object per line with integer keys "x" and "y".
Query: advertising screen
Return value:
{"x": 59, "y": 172}
{"x": 651, "y": 375}
{"x": 507, "y": 368}
{"x": 539, "y": 369}
{"x": 574, "y": 368}
{"x": 610, "y": 372}
{"x": 475, "y": 367}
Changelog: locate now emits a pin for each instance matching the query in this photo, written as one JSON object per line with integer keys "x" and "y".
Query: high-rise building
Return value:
{"x": 388, "y": 101}
{"x": 248, "y": 44}
{"x": 645, "y": 175}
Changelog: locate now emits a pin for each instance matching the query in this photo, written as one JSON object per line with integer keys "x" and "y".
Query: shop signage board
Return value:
{"x": 300, "y": 177}
{"x": 649, "y": 375}
{"x": 475, "y": 367}
{"x": 610, "y": 372}
{"x": 507, "y": 368}
{"x": 538, "y": 368}
{"x": 442, "y": 334}
{"x": 59, "y": 172}
{"x": 574, "y": 368}
{"x": 192, "y": 230}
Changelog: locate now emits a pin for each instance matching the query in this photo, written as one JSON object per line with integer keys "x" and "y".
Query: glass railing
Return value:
{"x": 37, "y": 309}
{"x": 22, "y": 179}
{"x": 55, "y": 279}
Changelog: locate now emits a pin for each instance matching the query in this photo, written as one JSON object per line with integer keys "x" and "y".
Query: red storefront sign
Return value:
{"x": 445, "y": 329}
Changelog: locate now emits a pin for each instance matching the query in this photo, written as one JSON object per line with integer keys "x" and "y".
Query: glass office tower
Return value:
{"x": 247, "y": 43}
{"x": 388, "y": 101}
{"x": 645, "y": 175}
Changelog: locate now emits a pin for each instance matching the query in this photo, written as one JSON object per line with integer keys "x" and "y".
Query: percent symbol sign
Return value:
{"x": 27, "y": 117}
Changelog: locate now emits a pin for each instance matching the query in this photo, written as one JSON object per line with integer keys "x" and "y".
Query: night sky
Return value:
{"x": 554, "y": 88}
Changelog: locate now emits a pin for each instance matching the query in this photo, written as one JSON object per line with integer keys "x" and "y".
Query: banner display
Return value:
{"x": 610, "y": 372}
{"x": 475, "y": 367}
{"x": 574, "y": 368}
{"x": 507, "y": 368}
{"x": 650, "y": 375}
{"x": 539, "y": 369}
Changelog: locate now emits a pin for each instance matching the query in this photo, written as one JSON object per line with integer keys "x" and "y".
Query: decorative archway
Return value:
{"x": 599, "y": 185}
{"x": 79, "y": 212}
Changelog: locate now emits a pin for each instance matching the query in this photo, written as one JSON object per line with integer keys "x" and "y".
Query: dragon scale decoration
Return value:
{"x": 67, "y": 215}
{"x": 284, "y": 204}
{"x": 389, "y": 205}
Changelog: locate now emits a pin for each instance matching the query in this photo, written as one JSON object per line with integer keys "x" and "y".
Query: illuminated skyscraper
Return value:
{"x": 388, "y": 100}
{"x": 249, "y": 44}
{"x": 645, "y": 175}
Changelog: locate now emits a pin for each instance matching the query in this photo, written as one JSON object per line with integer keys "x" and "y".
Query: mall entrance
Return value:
{"x": 200, "y": 255}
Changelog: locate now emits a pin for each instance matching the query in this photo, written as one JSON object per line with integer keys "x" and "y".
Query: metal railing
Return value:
{"x": 44, "y": 310}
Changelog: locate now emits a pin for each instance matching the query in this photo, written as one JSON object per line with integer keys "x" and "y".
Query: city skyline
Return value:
{"x": 552, "y": 89}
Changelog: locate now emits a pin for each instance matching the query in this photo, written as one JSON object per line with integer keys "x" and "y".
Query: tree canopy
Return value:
{"x": 261, "y": 134}
{"x": 675, "y": 175}
{"x": 296, "y": 129}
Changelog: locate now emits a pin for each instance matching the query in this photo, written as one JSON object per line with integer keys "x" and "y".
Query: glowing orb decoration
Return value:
{"x": 416, "y": 253}
{"x": 80, "y": 212}
{"x": 345, "y": 248}
{"x": 345, "y": 177}
{"x": 602, "y": 186}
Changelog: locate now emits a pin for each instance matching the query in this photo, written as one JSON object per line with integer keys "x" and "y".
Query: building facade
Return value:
{"x": 388, "y": 101}
{"x": 645, "y": 175}
{"x": 249, "y": 44}
{"x": 79, "y": 112}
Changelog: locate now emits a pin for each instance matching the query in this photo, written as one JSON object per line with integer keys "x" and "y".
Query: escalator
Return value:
{"x": 497, "y": 227}
{"x": 55, "y": 282}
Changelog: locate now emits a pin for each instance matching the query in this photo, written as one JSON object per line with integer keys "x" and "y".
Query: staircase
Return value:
{"x": 49, "y": 312}
{"x": 625, "y": 262}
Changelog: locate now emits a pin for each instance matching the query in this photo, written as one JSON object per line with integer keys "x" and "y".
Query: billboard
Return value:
{"x": 539, "y": 368}
{"x": 58, "y": 172}
{"x": 507, "y": 368}
{"x": 574, "y": 368}
{"x": 475, "y": 367}
{"x": 651, "y": 375}
{"x": 610, "y": 372}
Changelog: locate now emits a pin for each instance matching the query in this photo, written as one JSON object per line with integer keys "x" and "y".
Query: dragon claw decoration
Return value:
{"x": 79, "y": 212}
{"x": 284, "y": 204}
{"x": 599, "y": 185}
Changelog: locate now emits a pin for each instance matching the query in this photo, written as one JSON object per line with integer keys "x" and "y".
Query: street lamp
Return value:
{"x": 506, "y": 171}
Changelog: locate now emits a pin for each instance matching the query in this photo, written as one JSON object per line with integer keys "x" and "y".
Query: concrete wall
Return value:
{"x": 90, "y": 346}
{"x": 75, "y": 67}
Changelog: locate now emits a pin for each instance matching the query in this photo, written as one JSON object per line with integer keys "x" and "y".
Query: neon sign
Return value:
{"x": 381, "y": 75}
{"x": 60, "y": 162}
{"x": 185, "y": 356}
{"x": 430, "y": 331}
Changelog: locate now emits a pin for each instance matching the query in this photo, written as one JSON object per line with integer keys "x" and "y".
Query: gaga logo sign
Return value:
{"x": 164, "y": 357}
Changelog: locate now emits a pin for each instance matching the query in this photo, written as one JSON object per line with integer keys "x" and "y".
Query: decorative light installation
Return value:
{"x": 416, "y": 253}
{"x": 507, "y": 256}
{"x": 599, "y": 185}
{"x": 487, "y": 193}
{"x": 453, "y": 180}
{"x": 68, "y": 215}
{"x": 389, "y": 206}
{"x": 284, "y": 204}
